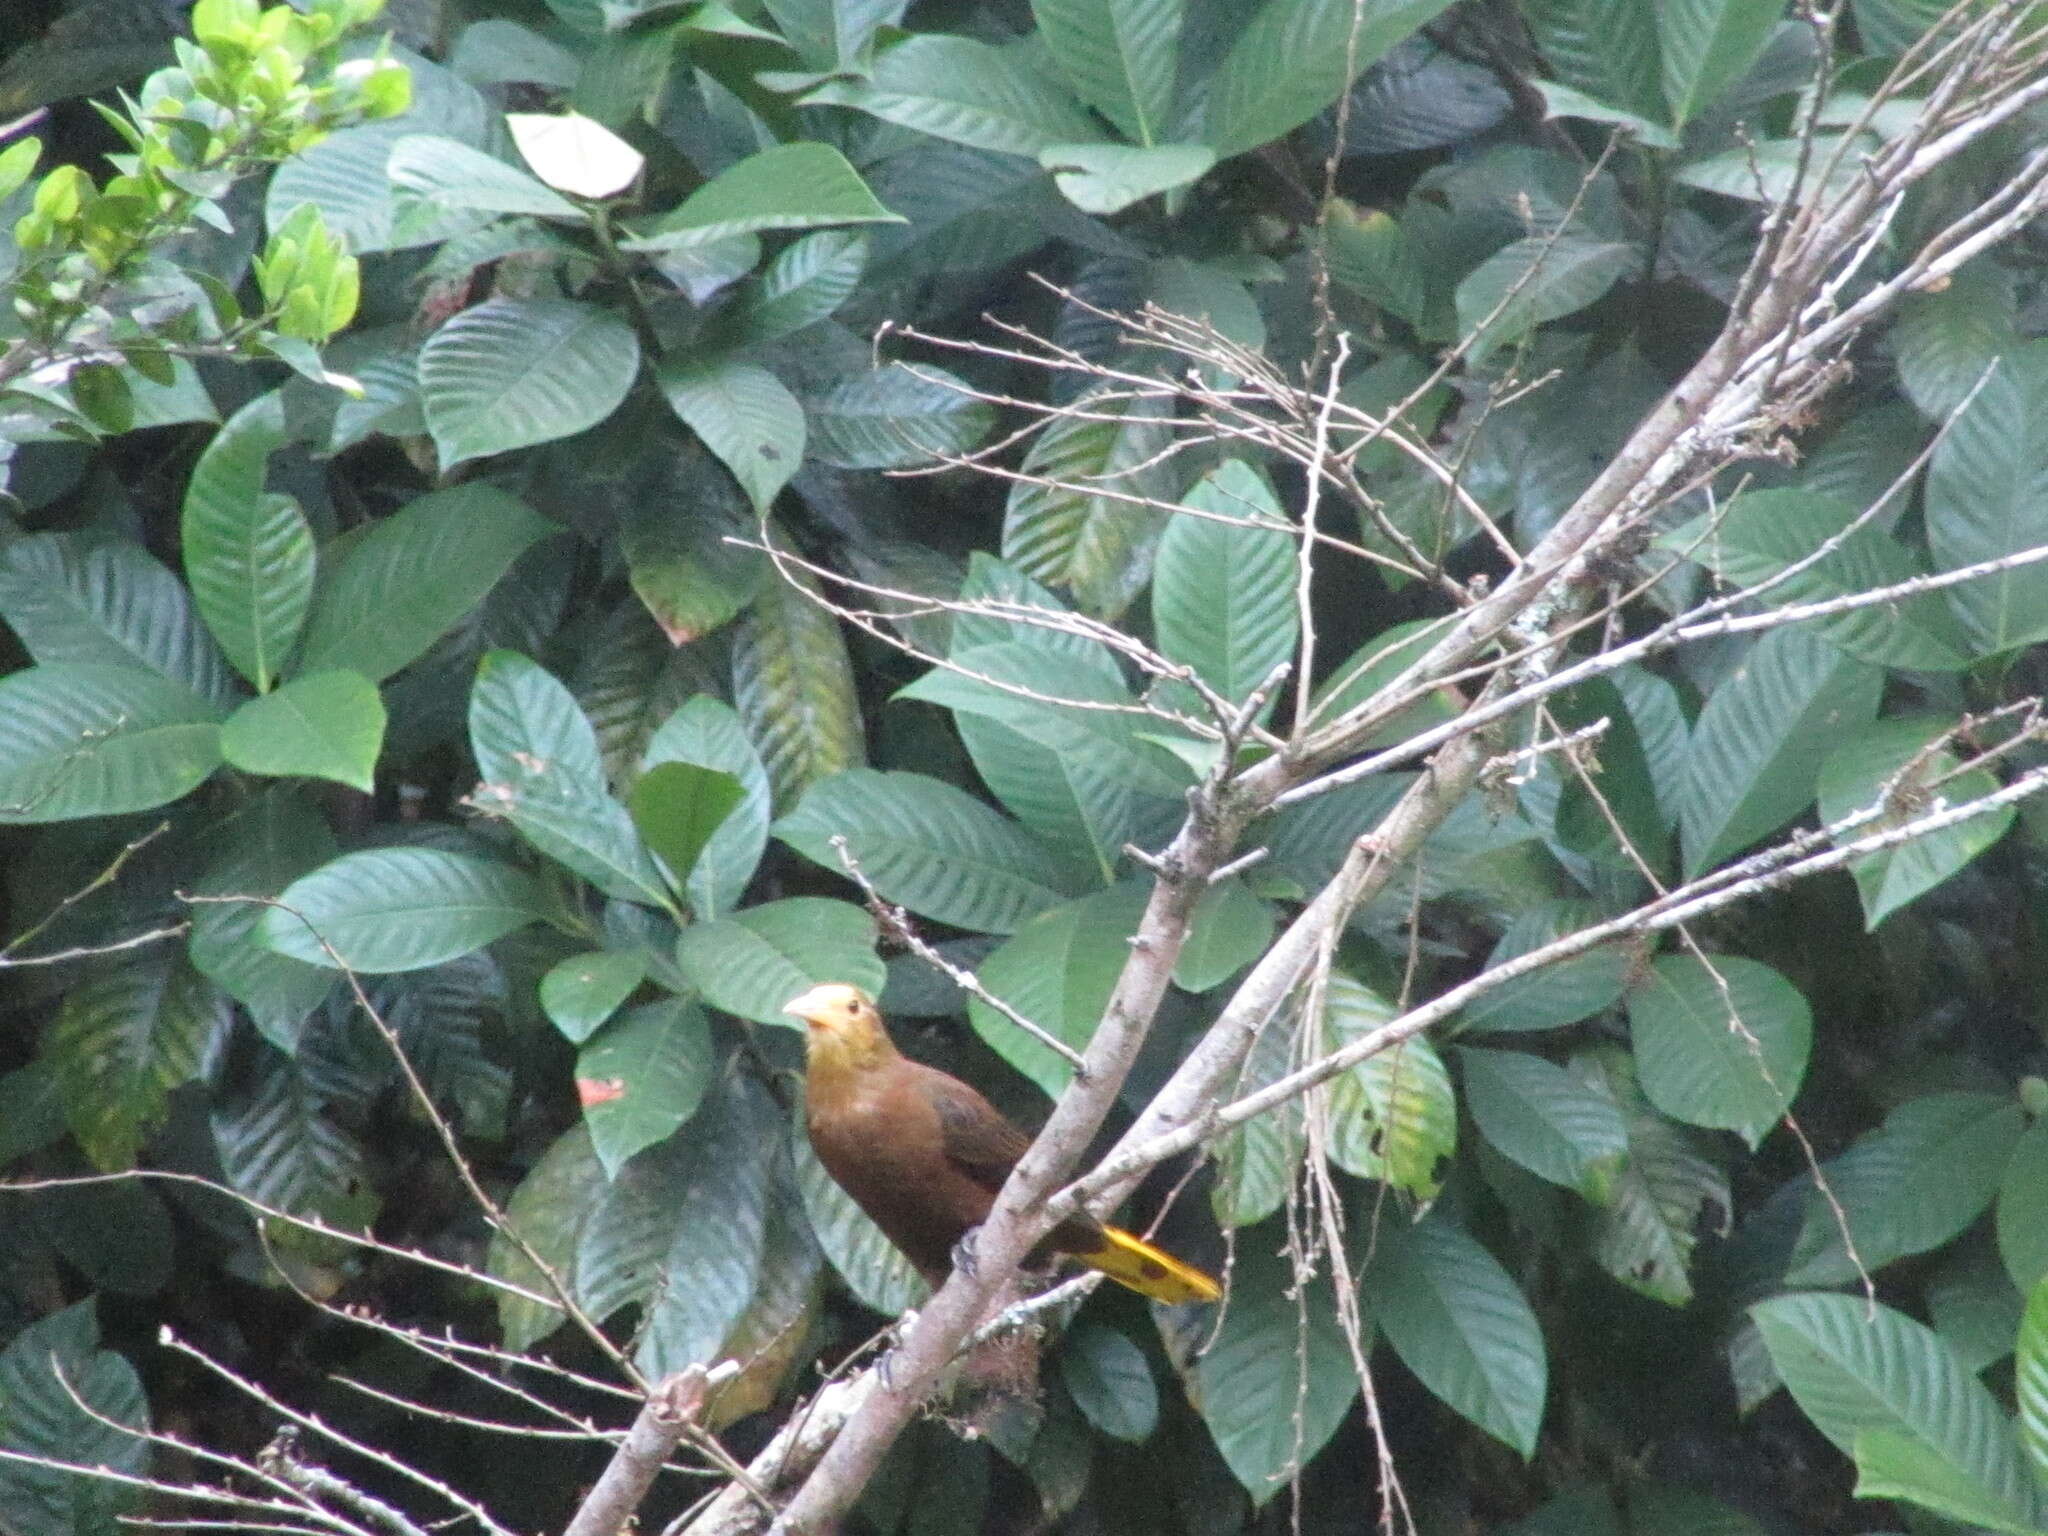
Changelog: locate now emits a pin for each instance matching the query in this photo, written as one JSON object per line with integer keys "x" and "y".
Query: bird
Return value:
{"x": 924, "y": 1155}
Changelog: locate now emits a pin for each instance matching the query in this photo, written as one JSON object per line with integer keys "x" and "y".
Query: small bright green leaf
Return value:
{"x": 679, "y": 807}
{"x": 707, "y": 733}
{"x": 578, "y": 994}
{"x": 752, "y": 963}
{"x": 642, "y": 1076}
{"x": 325, "y": 725}
{"x": 1393, "y": 1117}
{"x": 400, "y": 909}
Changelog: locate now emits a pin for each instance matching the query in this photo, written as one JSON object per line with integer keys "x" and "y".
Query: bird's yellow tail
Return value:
{"x": 1153, "y": 1272}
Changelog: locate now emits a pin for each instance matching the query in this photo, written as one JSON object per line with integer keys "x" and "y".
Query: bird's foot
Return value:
{"x": 963, "y": 1252}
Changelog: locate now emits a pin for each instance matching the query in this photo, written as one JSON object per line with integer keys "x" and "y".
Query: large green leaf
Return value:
{"x": 1534, "y": 280}
{"x": 1223, "y": 588}
{"x": 967, "y": 91}
{"x": 1294, "y": 59}
{"x": 1707, "y": 45}
{"x": 65, "y": 1398}
{"x": 248, "y": 554}
{"x": 752, "y": 963}
{"x": 448, "y": 174}
{"x": 1073, "y": 523}
{"x": 1058, "y": 970}
{"x": 324, "y": 725}
{"x": 510, "y": 373}
{"x": 548, "y": 1211}
{"x": 1230, "y": 929}
{"x": 1762, "y": 533}
{"x": 684, "y": 561}
{"x": 1762, "y": 737}
{"x": 1258, "y": 1162}
{"x": 1908, "y": 1186}
{"x": 1947, "y": 336}
{"x": 1087, "y": 717}
{"x": 744, "y": 415}
{"x": 1985, "y": 489}
{"x": 278, "y": 1145}
{"x": 810, "y": 279}
{"x": 1119, "y": 55}
{"x": 538, "y": 757}
{"x": 793, "y": 685}
{"x": 1665, "y": 1196}
{"x": 400, "y": 909}
{"x": 1611, "y": 816}
{"x": 895, "y": 417}
{"x": 1860, "y": 1369}
{"x": 1108, "y": 178}
{"x": 931, "y": 847}
{"x": 123, "y": 1039}
{"x": 707, "y": 733}
{"x": 578, "y": 994}
{"x": 1720, "y": 1041}
{"x": 680, "y": 1231}
{"x": 1554, "y": 995}
{"x": 79, "y": 601}
{"x": 88, "y": 740}
{"x": 642, "y": 1076}
{"x": 1277, "y": 1379}
{"x": 1460, "y": 1324}
{"x": 411, "y": 576}
{"x": 1606, "y": 49}
{"x": 1392, "y": 1117}
{"x": 789, "y": 186}
{"x": 1554, "y": 1123}
{"x": 276, "y": 839}
{"x": 1862, "y": 766}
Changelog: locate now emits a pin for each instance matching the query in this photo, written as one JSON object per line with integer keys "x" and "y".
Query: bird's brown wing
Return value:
{"x": 984, "y": 1145}
{"x": 978, "y": 1140}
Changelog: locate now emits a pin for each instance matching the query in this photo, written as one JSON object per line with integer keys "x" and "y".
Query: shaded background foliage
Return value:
{"x": 557, "y": 769}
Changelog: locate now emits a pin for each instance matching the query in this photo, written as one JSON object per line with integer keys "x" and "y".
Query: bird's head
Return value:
{"x": 842, "y": 1026}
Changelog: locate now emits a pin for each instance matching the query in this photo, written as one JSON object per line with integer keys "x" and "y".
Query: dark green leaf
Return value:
{"x": 1555, "y": 1124}
{"x": 1720, "y": 1041}
{"x": 1110, "y": 1382}
{"x": 752, "y": 963}
{"x": 548, "y": 1211}
{"x": 46, "y": 1371}
{"x": 86, "y": 740}
{"x": 895, "y": 417}
{"x": 411, "y": 576}
{"x": 969, "y": 92}
{"x": 793, "y": 685}
{"x": 706, "y": 733}
{"x": 510, "y": 373}
{"x": 1223, "y": 588}
{"x": 1229, "y": 930}
{"x": 745, "y": 416}
{"x": 578, "y": 994}
{"x": 124, "y": 1038}
{"x": 679, "y": 807}
{"x": 399, "y": 909}
{"x": 1459, "y": 1323}
{"x": 790, "y": 186}
{"x": 933, "y": 848}
{"x": 2023, "y": 1210}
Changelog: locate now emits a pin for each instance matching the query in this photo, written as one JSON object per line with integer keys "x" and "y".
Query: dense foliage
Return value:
{"x": 469, "y": 647}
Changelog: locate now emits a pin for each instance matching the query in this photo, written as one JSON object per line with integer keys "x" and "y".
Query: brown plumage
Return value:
{"x": 925, "y": 1155}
